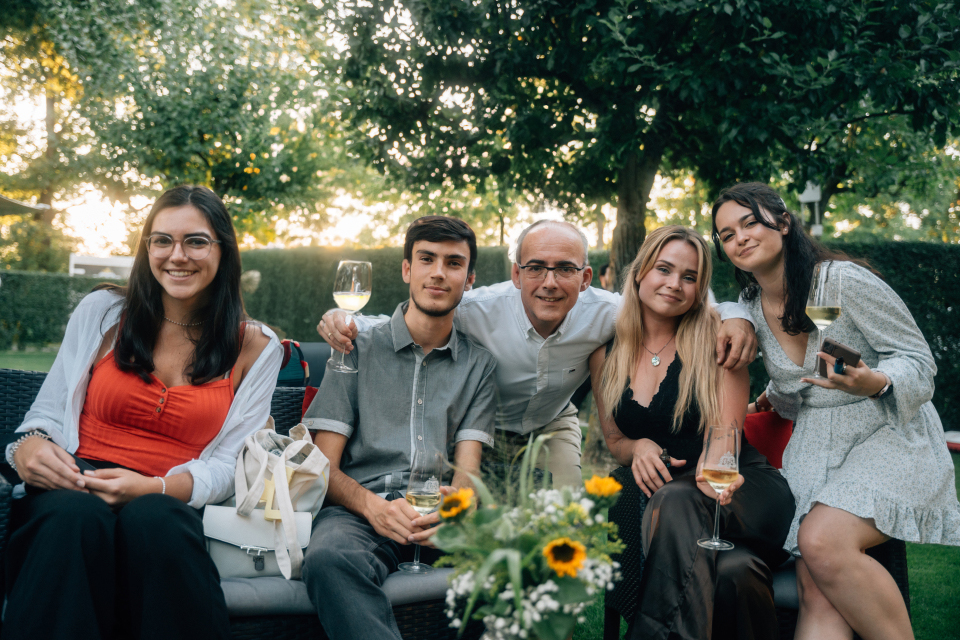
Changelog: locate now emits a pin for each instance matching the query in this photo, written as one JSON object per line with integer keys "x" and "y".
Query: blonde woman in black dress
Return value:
{"x": 659, "y": 387}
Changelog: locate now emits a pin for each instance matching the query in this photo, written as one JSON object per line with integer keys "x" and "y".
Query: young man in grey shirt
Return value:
{"x": 542, "y": 327}
{"x": 420, "y": 385}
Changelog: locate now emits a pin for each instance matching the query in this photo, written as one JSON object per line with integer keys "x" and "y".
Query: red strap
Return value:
{"x": 308, "y": 395}
{"x": 286, "y": 353}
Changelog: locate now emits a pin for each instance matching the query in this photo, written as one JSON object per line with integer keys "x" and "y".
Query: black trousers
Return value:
{"x": 77, "y": 569}
{"x": 687, "y": 592}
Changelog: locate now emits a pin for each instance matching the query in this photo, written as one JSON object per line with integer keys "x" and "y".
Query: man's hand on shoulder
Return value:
{"x": 391, "y": 518}
{"x": 736, "y": 344}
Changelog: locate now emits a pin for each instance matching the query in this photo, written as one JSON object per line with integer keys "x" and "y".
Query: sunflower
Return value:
{"x": 565, "y": 556}
{"x": 603, "y": 487}
{"x": 456, "y": 503}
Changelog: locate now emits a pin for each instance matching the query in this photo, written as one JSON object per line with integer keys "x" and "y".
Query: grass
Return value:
{"x": 934, "y": 569}
{"x": 27, "y": 360}
{"x": 935, "y": 586}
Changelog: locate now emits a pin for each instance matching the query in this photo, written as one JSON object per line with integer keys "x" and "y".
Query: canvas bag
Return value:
{"x": 289, "y": 474}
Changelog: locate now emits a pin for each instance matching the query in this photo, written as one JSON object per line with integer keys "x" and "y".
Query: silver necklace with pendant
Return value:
{"x": 655, "y": 360}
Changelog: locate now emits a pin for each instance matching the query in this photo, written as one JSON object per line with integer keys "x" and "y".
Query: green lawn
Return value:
{"x": 27, "y": 360}
{"x": 934, "y": 569}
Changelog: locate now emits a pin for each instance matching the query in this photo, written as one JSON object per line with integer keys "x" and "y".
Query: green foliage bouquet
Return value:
{"x": 529, "y": 566}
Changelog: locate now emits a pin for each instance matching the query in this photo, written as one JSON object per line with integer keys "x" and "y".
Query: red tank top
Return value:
{"x": 149, "y": 427}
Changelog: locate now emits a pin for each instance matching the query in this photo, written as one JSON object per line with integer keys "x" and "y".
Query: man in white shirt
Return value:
{"x": 542, "y": 327}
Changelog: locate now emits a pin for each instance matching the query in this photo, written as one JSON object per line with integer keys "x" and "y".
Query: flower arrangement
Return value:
{"x": 529, "y": 566}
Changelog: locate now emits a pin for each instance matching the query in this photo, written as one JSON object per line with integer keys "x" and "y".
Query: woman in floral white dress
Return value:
{"x": 867, "y": 460}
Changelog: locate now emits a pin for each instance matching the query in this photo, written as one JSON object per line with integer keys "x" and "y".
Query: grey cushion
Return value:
{"x": 785, "y": 585}
{"x": 276, "y": 596}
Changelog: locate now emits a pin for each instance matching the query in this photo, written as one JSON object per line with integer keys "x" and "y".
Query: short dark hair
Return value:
{"x": 603, "y": 268}
{"x": 220, "y": 341}
{"x": 440, "y": 229}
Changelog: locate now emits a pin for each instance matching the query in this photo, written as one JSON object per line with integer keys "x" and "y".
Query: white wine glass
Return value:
{"x": 823, "y": 302}
{"x": 351, "y": 291}
{"x": 720, "y": 470}
{"x": 423, "y": 494}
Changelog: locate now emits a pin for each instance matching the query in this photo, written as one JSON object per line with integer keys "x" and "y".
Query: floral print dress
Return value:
{"x": 881, "y": 459}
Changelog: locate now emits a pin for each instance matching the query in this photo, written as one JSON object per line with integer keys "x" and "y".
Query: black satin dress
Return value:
{"x": 685, "y": 591}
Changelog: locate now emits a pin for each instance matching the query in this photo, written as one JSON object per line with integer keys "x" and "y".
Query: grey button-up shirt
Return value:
{"x": 402, "y": 400}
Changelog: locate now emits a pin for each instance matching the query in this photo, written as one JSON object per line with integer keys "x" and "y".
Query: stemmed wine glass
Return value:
{"x": 720, "y": 470}
{"x": 351, "y": 291}
{"x": 823, "y": 302}
{"x": 423, "y": 494}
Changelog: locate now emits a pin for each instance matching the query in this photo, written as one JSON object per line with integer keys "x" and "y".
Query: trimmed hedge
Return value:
{"x": 296, "y": 285}
{"x": 34, "y": 307}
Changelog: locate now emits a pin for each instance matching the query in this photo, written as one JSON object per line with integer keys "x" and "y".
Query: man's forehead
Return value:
{"x": 442, "y": 248}
{"x": 553, "y": 243}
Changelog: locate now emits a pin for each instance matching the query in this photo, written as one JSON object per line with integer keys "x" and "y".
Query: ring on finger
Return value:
{"x": 840, "y": 367}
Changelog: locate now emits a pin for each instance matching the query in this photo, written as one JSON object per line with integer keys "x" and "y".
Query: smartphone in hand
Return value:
{"x": 83, "y": 464}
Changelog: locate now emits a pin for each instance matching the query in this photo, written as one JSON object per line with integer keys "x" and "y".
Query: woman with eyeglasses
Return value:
{"x": 136, "y": 428}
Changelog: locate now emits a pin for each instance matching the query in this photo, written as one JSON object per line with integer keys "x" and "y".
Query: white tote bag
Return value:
{"x": 289, "y": 474}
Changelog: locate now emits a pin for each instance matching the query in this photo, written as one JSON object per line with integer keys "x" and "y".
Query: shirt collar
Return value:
{"x": 402, "y": 338}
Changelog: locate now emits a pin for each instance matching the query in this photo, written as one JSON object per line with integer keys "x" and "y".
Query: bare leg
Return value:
{"x": 861, "y": 590}
{"x": 818, "y": 619}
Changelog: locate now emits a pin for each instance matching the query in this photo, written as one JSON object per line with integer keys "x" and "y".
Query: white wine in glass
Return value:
{"x": 823, "y": 302}
{"x": 423, "y": 494}
{"x": 351, "y": 291}
{"x": 720, "y": 470}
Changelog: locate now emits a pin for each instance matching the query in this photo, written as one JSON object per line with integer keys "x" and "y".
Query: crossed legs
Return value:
{"x": 842, "y": 589}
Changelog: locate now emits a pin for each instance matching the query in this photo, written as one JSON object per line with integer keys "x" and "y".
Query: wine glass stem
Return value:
{"x": 416, "y": 555}
{"x": 816, "y": 349}
{"x": 716, "y": 521}
{"x": 343, "y": 354}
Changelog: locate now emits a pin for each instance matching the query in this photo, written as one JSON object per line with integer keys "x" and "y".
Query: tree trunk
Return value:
{"x": 50, "y": 153}
{"x": 601, "y": 226}
{"x": 633, "y": 191}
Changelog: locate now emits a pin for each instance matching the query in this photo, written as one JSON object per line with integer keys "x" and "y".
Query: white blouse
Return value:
{"x": 59, "y": 404}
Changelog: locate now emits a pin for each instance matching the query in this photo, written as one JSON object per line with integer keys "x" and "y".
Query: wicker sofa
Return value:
{"x": 260, "y": 607}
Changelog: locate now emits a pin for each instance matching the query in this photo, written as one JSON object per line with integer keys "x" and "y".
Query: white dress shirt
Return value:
{"x": 536, "y": 376}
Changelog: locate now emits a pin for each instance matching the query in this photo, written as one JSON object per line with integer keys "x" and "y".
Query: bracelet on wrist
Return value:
{"x": 35, "y": 433}
{"x": 886, "y": 390}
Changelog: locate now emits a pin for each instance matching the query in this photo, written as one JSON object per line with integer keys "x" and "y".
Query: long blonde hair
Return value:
{"x": 696, "y": 334}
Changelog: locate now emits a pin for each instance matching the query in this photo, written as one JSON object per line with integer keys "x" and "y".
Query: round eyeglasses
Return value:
{"x": 160, "y": 245}
{"x": 539, "y": 272}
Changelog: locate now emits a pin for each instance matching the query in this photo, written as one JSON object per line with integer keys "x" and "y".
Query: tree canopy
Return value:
{"x": 586, "y": 101}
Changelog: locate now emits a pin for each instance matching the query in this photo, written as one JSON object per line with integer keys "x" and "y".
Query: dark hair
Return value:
{"x": 440, "y": 229}
{"x": 221, "y": 337}
{"x": 800, "y": 251}
{"x": 603, "y": 268}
